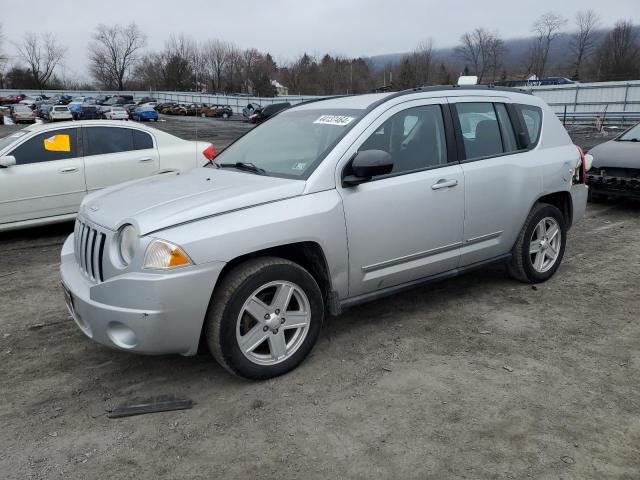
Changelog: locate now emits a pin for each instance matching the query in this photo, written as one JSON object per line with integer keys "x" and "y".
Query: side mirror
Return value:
{"x": 7, "y": 161}
{"x": 367, "y": 164}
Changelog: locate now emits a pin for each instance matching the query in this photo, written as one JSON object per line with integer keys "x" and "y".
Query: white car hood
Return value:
{"x": 162, "y": 201}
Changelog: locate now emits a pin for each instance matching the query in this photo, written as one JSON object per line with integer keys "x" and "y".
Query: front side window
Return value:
{"x": 105, "y": 140}
{"x": 292, "y": 143}
{"x": 47, "y": 147}
{"x": 480, "y": 129}
{"x": 415, "y": 139}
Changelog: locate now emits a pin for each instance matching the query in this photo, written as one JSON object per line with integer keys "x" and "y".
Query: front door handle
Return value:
{"x": 69, "y": 170}
{"x": 444, "y": 183}
{"x": 145, "y": 159}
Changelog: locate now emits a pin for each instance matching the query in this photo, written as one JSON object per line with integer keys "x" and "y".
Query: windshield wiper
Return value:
{"x": 249, "y": 167}
{"x": 630, "y": 139}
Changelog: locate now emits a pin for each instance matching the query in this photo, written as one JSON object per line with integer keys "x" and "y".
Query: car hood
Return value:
{"x": 616, "y": 154}
{"x": 162, "y": 201}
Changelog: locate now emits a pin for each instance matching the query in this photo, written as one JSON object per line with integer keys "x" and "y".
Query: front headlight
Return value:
{"x": 162, "y": 255}
{"x": 128, "y": 243}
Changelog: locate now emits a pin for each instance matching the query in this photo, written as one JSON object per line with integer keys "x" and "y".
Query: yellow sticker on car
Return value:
{"x": 57, "y": 143}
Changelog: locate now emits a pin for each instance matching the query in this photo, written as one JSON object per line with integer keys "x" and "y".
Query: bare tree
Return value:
{"x": 250, "y": 58}
{"x": 583, "y": 42}
{"x": 481, "y": 49}
{"x": 423, "y": 59}
{"x": 546, "y": 29}
{"x": 216, "y": 54}
{"x": 114, "y": 52}
{"x": 496, "y": 49}
{"x": 42, "y": 54}
{"x": 618, "y": 56}
{"x": 3, "y": 58}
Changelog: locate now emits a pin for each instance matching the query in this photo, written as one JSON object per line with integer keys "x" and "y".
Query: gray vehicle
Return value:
{"x": 324, "y": 206}
{"x": 615, "y": 170}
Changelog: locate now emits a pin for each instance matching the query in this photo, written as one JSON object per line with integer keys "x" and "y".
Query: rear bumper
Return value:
{"x": 579, "y": 194}
{"x": 149, "y": 313}
{"x": 614, "y": 186}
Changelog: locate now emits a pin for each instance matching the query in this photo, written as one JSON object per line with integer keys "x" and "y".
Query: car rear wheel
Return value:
{"x": 225, "y": 115}
{"x": 264, "y": 318}
{"x": 540, "y": 246}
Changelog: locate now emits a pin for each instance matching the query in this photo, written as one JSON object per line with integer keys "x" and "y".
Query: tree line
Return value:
{"x": 118, "y": 59}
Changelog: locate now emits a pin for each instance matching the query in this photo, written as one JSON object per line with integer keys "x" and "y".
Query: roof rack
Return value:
{"x": 440, "y": 88}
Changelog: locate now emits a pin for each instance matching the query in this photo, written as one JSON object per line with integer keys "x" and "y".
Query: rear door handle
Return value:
{"x": 145, "y": 159}
{"x": 68, "y": 170}
{"x": 444, "y": 183}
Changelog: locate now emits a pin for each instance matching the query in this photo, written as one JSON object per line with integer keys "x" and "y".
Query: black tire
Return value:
{"x": 521, "y": 266}
{"x": 228, "y": 300}
{"x": 225, "y": 115}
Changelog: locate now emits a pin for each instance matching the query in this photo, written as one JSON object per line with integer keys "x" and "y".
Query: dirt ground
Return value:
{"x": 478, "y": 377}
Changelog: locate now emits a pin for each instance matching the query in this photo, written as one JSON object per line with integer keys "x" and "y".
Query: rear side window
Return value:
{"x": 105, "y": 140}
{"x": 480, "y": 129}
{"x": 142, "y": 140}
{"x": 508, "y": 135}
{"x": 531, "y": 119}
{"x": 47, "y": 147}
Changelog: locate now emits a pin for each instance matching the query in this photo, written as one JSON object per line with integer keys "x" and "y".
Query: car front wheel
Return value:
{"x": 540, "y": 246}
{"x": 264, "y": 318}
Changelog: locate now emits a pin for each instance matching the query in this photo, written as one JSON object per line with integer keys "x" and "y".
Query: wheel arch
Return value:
{"x": 308, "y": 254}
{"x": 562, "y": 200}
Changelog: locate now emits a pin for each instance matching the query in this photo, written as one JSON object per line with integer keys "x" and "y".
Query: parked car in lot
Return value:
{"x": 46, "y": 169}
{"x": 142, "y": 114}
{"x": 145, "y": 100}
{"x": 115, "y": 113}
{"x": 43, "y": 111}
{"x": 218, "y": 111}
{"x": 58, "y": 113}
{"x": 22, "y": 114}
{"x": 615, "y": 171}
{"x": 327, "y": 205}
{"x": 249, "y": 110}
{"x": 11, "y": 99}
{"x": 262, "y": 114}
{"x": 167, "y": 108}
{"x": 88, "y": 112}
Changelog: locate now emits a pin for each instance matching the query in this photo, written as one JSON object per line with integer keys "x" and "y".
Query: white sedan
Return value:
{"x": 115, "y": 113}
{"x": 46, "y": 169}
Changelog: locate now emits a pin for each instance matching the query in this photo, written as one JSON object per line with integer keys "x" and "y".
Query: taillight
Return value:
{"x": 209, "y": 153}
{"x": 580, "y": 172}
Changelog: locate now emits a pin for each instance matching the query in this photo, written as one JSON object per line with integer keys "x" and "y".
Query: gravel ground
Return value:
{"x": 478, "y": 377}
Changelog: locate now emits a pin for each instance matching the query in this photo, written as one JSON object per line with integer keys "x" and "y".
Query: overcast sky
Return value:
{"x": 286, "y": 28}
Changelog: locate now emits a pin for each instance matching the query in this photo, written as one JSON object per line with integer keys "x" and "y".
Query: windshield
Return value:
{"x": 631, "y": 135}
{"x": 292, "y": 143}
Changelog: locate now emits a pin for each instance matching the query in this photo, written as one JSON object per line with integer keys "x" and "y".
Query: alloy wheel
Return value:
{"x": 545, "y": 243}
{"x": 273, "y": 323}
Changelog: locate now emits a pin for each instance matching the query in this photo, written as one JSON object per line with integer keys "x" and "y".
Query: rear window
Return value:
{"x": 105, "y": 140}
{"x": 531, "y": 119}
{"x": 61, "y": 109}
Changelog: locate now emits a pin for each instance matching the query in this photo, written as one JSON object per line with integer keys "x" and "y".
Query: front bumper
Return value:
{"x": 614, "y": 186}
{"x": 150, "y": 313}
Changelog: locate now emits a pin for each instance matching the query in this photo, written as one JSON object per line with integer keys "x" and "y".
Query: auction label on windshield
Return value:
{"x": 339, "y": 120}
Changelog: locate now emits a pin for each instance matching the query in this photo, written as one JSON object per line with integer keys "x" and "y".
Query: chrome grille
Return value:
{"x": 89, "y": 250}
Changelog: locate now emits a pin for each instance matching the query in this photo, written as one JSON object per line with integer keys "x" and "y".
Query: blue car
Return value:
{"x": 144, "y": 113}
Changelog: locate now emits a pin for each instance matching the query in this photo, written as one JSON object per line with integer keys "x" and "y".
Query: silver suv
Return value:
{"x": 327, "y": 205}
